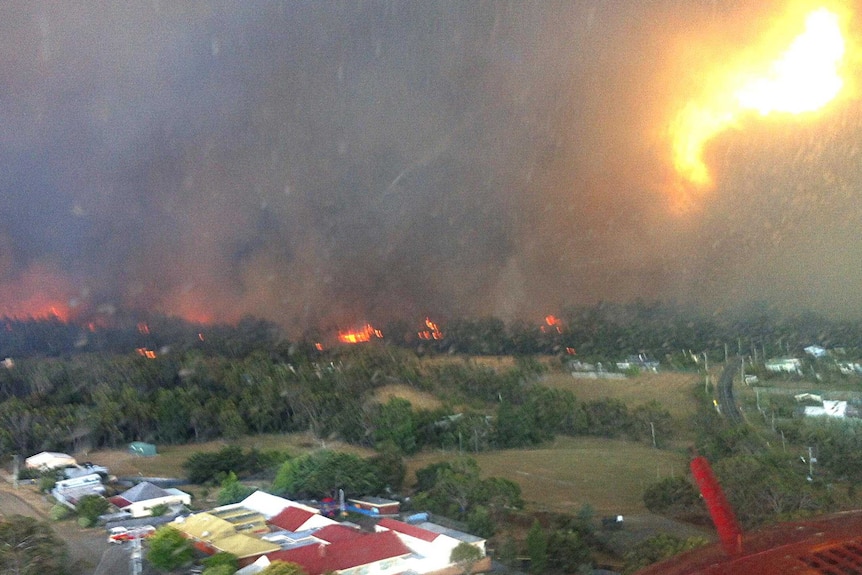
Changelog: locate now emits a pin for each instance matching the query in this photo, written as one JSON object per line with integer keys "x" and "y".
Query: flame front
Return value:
{"x": 433, "y": 332}
{"x": 37, "y": 307}
{"x": 362, "y": 335}
{"x": 552, "y": 322}
{"x": 803, "y": 78}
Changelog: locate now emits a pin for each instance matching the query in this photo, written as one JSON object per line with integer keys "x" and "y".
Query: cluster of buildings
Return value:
{"x": 264, "y": 528}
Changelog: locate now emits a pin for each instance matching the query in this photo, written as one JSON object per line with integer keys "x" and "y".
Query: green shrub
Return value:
{"x": 671, "y": 495}
{"x": 27, "y": 473}
{"x": 169, "y": 549}
{"x": 59, "y": 512}
{"x": 91, "y": 507}
{"x": 221, "y": 559}
{"x": 47, "y": 483}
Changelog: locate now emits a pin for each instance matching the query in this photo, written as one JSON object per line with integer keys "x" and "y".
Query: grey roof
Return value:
{"x": 453, "y": 533}
{"x": 373, "y": 500}
{"x": 292, "y": 539}
{"x": 144, "y": 491}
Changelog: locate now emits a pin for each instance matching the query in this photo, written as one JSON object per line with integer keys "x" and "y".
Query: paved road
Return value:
{"x": 725, "y": 391}
{"x": 115, "y": 560}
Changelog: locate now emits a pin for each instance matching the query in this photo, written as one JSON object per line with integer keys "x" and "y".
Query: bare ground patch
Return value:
{"x": 418, "y": 399}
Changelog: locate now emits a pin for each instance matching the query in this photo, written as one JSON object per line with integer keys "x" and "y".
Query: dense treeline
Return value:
{"x": 102, "y": 400}
{"x": 601, "y": 331}
{"x": 226, "y": 381}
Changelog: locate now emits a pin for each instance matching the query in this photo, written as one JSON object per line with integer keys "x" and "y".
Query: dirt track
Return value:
{"x": 86, "y": 546}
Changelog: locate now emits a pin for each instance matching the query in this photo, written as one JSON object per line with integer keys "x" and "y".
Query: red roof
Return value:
{"x": 291, "y": 518}
{"x": 333, "y": 533}
{"x": 407, "y": 529}
{"x": 366, "y": 549}
{"x": 119, "y": 501}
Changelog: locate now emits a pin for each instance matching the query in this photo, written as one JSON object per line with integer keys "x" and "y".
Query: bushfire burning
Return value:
{"x": 552, "y": 323}
{"x": 364, "y": 334}
{"x": 431, "y": 331}
{"x": 37, "y": 307}
{"x": 798, "y": 71}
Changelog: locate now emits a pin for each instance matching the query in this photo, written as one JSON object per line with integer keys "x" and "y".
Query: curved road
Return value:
{"x": 725, "y": 391}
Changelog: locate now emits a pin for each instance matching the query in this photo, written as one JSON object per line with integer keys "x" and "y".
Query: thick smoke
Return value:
{"x": 322, "y": 163}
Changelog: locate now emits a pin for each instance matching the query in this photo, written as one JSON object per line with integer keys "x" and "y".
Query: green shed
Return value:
{"x": 142, "y": 448}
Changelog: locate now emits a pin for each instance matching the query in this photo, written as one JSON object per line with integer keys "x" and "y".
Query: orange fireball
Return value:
{"x": 800, "y": 75}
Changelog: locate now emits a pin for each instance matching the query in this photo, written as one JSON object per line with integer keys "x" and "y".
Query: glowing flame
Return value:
{"x": 552, "y": 322}
{"x": 147, "y": 353}
{"x": 361, "y": 335}
{"x": 37, "y": 308}
{"x": 804, "y": 78}
{"x": 433, "y": 332}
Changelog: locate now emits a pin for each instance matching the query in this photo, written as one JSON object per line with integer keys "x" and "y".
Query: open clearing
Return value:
{"x": 170, "y": 459}
{"x": 418, "y": 399}
{"x": 562, "y": 475}
{"x": 672, "y": 390}
{"x": 568, "y": 473}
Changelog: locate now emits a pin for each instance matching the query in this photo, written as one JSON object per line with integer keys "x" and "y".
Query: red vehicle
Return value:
{"x": 120, "y": 534}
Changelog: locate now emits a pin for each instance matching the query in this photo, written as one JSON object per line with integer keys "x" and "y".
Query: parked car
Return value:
{"x": 120, "y": 534}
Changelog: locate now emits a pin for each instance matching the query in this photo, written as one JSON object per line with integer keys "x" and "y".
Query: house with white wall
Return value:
{"x": 140, "y": 499}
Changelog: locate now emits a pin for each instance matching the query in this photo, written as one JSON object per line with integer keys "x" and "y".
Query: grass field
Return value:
{"x": 672, "y": 390}
{"x": 169, "y": 461}
{"x": 562, "y": 475}
{"x": 568, "y": 473}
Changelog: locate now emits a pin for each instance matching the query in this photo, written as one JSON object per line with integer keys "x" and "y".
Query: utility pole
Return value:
{"x": 811, "y": 462}
{"x": 136, "y": 554}
{"x": 706, "y": 367}
{"x": 652, "y": 428}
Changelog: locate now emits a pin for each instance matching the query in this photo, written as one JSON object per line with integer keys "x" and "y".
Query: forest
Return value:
{"x": 70, "y": 388}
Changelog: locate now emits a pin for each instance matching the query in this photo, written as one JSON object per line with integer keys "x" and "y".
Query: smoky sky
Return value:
{"x": 327, "y": 163}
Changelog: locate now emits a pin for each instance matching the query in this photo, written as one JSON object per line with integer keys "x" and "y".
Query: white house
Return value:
{"x": 70, "y": 491}
{"x": 830, "y": 408}
{"x": 784, "y": 365}
{"x": 816, "y": 351}
{"x": 140, "y": 499}
{"x": 850, "y": 367}
{"x": 432, "y": 546}
{"x": 270, "y": 505}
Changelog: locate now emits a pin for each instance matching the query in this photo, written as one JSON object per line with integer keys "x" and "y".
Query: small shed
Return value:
{"x": 49, "y": 460}
{"x": 375, "y": 506}
{"x": 142, "y": 448}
